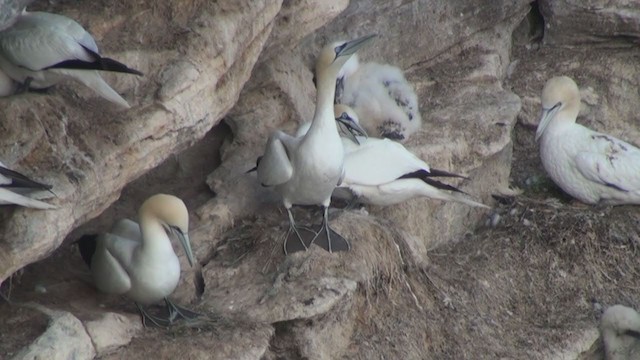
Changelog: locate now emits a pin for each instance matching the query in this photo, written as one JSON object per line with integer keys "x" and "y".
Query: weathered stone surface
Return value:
{"x": 58, "y": 138}
{"x": 112, "y": 331}
{"x": 65, "y": 338}
{"x": 604, "y": 22}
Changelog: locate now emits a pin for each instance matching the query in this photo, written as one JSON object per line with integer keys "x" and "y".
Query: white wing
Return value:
{"x": 127, "y": 229}
{"x": 36, "y": 48}
{"x": 109, "y": 263}
{"x": 10, "y": 197}
{"x": 611, "y": 162}
{"x": 65, "y": 25}
{"x": 275, "y": 166}
{"x": 378, "y": 161}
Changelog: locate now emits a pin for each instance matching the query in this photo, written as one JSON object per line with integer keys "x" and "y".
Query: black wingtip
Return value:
{"x": 427, "y": 176}
{"x": 99, "y": 63}
{"x": 22, "y": 181}
{"x": 87, "y": 246}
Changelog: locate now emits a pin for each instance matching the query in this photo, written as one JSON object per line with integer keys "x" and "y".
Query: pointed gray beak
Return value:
{"x": 351, "y": 128}
{"x": 186, "y": 245}
{"x": 545, "y": 119}
{"x": 350, "y": 47}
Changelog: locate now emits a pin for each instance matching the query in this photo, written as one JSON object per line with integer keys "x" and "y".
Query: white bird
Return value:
{"x": 620, "y": 330}
{"x": 16, "y": 188}
{"x": 588, "y": 165}
{"x": 382, "y": 98}
{"x": 138, "y": 260}
{"x": 383, "y": 172}
{"x": 42, "y": 49}
{"x": 305, "y": 170}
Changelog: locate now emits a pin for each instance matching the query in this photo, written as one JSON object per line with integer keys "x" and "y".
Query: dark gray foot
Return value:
{"x": 298, "y": 238}
{"x": 332, "y": 242}
{"x": 149, "y": 320}
{"x": 176, "y": 312}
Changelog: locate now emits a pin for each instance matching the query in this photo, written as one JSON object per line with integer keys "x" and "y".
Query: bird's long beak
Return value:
{"x": 353, "y": 129}
{"x": 186, "y": 245}
{"x": 352, "y": 46}
{"x": 545, "y": 119}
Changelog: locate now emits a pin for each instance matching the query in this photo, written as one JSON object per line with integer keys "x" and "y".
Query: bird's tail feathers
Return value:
{"x": 7, "y": 196}
{"x": 93, "y": 80}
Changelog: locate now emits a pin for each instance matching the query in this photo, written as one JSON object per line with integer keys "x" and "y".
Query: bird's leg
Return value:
{"x": 155, "y": 320}
{"x": 329, "y": 239}
{"x": 24, "y": 87}
{"x": 176, "y": 311}
{"x": 295, "y": 230}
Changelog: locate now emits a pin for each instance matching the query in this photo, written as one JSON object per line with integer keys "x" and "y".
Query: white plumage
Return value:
{"x": 382, "y": 98}
{"x": 138, "y": 259}
{"x": 620, "y": 330}
{"x": 383, "y": 172}
{"x": 17, "y": 189}
{"x": 42, "y": 49}
{"x": 305, "y": 170}
{"x": 588, "y": 165}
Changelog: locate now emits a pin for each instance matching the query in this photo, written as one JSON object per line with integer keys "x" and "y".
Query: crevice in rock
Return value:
{"x": 282, "y": 343}
{"x": 199, "y": 283}
{"x": 531, "y": 28}
{"x": 182, "y": 174}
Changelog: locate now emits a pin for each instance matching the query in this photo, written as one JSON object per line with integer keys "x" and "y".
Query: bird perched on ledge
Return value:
{"x": 590, "y": 166}
{"x": 305, "y": 170}
{"x": 383, "y": 172}
{"x": 138, "y": 260}
{"x": 41, "y": 49}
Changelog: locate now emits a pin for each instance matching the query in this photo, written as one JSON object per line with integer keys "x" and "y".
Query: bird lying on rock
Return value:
{"x": 588, "y": 165}
{"x": 383, "y": 172}
{"x": 137, "y": 260}
{"x": 305, "y": 170}
{"x": 16, "y": 187}
{"x": 42, "y": 49}
{"x": 382, "y": 98}
{"x": 620, "y": 330}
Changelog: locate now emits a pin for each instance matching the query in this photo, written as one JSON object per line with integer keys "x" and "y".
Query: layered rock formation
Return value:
{"x": 251, "y": 62}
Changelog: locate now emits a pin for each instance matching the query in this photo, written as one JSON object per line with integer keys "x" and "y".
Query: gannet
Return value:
{"x": 588, "y": 165}
{"x": 138, "y": 260}
{"x": 14, "y": 188}
{"x": 382, "y": 98}
{"x": 620, "y": 330}
{"x": 305, "y": 170}
{"x": 383, "y": 172}
{"x": 41, "y": 49}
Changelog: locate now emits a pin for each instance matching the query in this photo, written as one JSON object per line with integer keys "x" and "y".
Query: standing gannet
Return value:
{"x": 620, "y": 330}
{"x": 138, "y": 260}
{"x": 305, "y": 170}
{"x": 14, "y": 188}
{"x": 382, "y": 98}
{"x": 41, "y": 49}
{"x": 383, "y": 172}
{"x": 588, "y": 165}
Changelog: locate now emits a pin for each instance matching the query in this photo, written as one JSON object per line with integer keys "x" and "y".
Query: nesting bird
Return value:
{"x": 15, "y": 188}
{"x": 620, "y": 330}
{"x": 305, "y": 170}
{"x": 588, "y": 165}
{"x": 42, "y": 49}
{"x": 138, "y": 260}
{"x": 383, "y": 172}
{"x": 382, "y": 98}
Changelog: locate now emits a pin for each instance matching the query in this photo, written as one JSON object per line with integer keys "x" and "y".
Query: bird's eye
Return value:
{"x": 559, "y": 104}
{"x": 339, "y": 48}
{"x": 344, "y": 115}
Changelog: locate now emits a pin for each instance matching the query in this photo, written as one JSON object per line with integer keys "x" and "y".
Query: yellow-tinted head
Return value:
{"x": 174, "y": 216}
{"x": 560, "y": 95}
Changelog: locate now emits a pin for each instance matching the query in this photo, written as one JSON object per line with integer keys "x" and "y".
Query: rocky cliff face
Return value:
{"x": 478, "y": 68}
